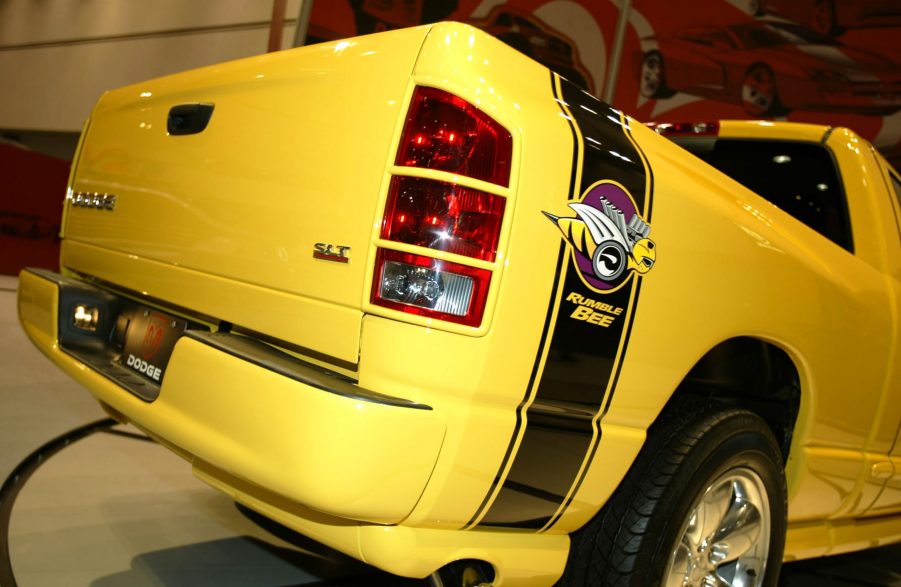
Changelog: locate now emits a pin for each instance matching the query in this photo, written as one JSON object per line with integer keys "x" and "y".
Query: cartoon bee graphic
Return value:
{"x": 600, "y": 234}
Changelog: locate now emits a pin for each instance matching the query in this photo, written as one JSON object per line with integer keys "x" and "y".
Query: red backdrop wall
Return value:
{"x": 836, "y": 62}
{"x": 31, "y": 203}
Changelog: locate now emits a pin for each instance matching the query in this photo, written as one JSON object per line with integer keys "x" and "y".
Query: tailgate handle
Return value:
{"x": 189, "y": 119}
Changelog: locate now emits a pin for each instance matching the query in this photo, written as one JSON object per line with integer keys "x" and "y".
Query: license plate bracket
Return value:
{"x": 149, "y": 341}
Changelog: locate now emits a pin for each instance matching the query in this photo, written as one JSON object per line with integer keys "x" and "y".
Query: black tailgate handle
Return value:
{"x": 189, "y": 119}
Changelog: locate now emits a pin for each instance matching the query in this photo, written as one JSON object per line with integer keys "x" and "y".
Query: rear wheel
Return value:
{"x": 725, "y": 538}
{"x": 704, "y": 504}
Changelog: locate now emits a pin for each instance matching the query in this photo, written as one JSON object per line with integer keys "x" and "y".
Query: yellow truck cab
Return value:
{"x": 421, "y": 299}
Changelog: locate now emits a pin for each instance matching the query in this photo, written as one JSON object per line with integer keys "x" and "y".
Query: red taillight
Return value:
{"x": 685, "y": 129}
{"x": 443, "y": 216}
{"x": 428, "y": 287}
{"x": 443, "y": 133}
{"x": 446, "y": 133}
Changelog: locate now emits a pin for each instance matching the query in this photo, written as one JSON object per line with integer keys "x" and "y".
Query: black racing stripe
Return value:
{"x": 628, "y": 335}
{"x": 562, "y": 424}
{"x": 579, "y": 364}
{"x": 561, "y": 256}
{"x": 576, "y": 145}
{"x": 597, "y": 442}
{"x": 519, "y": 409}
{"x": 648, "y": 211}
{"x": 649, "y": 201}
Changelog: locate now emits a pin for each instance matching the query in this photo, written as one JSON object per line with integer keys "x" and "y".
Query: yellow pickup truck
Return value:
{"x": 423, "y": 300}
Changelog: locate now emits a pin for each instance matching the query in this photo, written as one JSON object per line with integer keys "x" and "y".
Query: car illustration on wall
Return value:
{"x": 373, "y": 16}
{"x": 769, "y": 68}
{"x": 832, "y": 17}
{"x": 534, "y": 38}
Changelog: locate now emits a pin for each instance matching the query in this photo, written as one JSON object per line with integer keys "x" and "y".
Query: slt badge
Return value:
{"x": 604, "y": 243}
{"x": 328, "y": 252}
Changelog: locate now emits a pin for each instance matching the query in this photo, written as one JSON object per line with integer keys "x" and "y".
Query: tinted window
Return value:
{"x": 800, "y": 178}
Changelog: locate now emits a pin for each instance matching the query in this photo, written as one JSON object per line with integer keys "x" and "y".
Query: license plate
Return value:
{"x": 149, "y": 341}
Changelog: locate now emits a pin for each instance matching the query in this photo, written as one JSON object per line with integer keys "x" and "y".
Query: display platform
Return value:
{"x": 104, "y": 506}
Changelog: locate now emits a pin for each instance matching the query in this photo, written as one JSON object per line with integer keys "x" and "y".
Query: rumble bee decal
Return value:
{"x": 609, "y": 239}
{"x": 604, "y": 218}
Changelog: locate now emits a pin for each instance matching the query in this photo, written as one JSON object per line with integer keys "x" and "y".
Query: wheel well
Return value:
{"x": 748, "y": 373}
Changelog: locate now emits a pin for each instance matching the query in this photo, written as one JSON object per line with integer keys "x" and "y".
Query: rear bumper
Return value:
{"x": 260, "y": 415}
{"x": 342, "y": 465}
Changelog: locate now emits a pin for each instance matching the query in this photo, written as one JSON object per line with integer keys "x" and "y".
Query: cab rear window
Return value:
{"x": 799, "y": 178}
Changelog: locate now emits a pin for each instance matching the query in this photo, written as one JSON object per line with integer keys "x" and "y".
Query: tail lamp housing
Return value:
{"x": 443, "y": 216}
{"x": 446, "y": 133}
{"x": 443, "y": 133}
{"x": 424, "y": 286}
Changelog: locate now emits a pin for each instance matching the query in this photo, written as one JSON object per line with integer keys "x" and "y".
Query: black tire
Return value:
{"x": 465, "y": 573}
{"x": 759, "y": 93}
{"x": 646, "y": 522}
{"x": 652, "y": 77}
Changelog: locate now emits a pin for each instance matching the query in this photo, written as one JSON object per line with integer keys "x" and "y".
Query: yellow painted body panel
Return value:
{"x": 524, "y": 559}
{"x": 224, "y": 298}
{"x": 219, "y": 227}
{"x": 38, "y": 310}
{"x": 268, "y": 428}
{"x": 283, "y": 151}
{"x": 765, "y": 129}
{"x": 819, "y": 311}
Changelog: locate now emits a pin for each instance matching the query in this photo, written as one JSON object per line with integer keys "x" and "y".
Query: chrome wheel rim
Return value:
{"x": 725, "y": 539}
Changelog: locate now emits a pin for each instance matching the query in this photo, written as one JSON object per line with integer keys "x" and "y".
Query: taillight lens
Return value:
{"x": 428, "y": 287}
{"x": 447, "y": 133}
{"x": 444, "y": 133}
{"x": 443, "y": 216}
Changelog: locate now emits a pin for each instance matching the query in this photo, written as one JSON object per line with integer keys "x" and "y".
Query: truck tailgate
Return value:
{"x": 294, "y": 154}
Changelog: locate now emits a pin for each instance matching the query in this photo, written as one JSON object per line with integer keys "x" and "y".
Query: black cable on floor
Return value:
{"x": 16, "y": 480}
